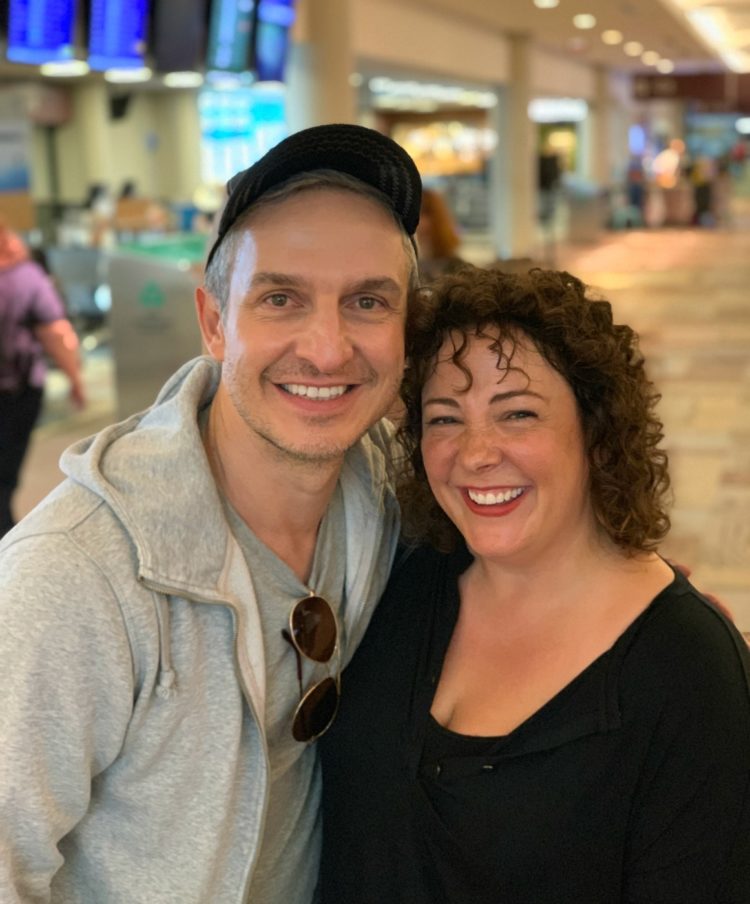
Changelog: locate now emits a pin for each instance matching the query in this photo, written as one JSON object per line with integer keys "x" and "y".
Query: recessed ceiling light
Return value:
{"x": 546, "y": 4}
{"x": 187, "y": 79}
{"x": 633, "y": 48}
{"x": 612, "y": 36}
{"x": 665, "y": 66}
{"x": 584, "y": 20}
{"x": 64, "y": 68}
{"x": 650, "y": 58}
{"x": 123, "y": 76}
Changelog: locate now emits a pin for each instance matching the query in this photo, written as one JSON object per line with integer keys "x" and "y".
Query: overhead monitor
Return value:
{"x": 117, "y": 33}
{"x": 40, "y": 31}
{"x": 230, "y": 34}
{"x": 275, "y": 18}
{"x": 178, "y": 43}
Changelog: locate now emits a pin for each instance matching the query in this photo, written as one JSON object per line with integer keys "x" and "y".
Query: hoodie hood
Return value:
{"x": 152, "y": 471}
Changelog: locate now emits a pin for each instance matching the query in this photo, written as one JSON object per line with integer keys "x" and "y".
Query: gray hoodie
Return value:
{"x": 133, "y": 764}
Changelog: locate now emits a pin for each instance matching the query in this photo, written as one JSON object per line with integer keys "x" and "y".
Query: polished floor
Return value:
{"x": 687, "y": 292}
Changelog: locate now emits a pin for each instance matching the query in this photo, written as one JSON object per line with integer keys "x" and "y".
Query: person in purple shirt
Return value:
{"x": 33, "y": 325}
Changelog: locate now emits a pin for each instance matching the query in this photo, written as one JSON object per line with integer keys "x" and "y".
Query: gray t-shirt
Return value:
{"x": 287, "y": 867}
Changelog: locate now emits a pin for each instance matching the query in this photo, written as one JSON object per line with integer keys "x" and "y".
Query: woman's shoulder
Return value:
{"x": 685, "y": 643}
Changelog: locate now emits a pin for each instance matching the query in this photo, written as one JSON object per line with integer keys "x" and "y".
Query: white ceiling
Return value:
{"x": 659, "y": 25}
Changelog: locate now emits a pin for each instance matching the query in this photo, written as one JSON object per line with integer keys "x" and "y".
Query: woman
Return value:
{"x": 542, "y": 710}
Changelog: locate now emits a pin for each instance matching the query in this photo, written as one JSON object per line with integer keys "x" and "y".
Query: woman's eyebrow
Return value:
{"x": 498, "y": 397}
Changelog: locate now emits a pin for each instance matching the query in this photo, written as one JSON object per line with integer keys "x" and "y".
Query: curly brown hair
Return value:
{"x": 600, "y": 361}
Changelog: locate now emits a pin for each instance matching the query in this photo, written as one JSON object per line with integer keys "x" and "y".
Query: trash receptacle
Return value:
{"x": 153, "y": 323}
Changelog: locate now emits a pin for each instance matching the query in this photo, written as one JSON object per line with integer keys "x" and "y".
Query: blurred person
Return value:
{"x": 438, "y": 237}
{"x": 549, "y": 178}
{"x": 32, "y": 324}
{"x": 702, "y": 176}
{"x": 542, "y": 710}
{"x": 635, "y": 191}
{"x": 173, "y": 617}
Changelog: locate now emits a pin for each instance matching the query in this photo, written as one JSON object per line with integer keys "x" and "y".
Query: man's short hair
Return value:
{"x": 220, "y": 263}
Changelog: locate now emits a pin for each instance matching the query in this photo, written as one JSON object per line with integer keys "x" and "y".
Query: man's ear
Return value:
{"x": 209, "y": 320}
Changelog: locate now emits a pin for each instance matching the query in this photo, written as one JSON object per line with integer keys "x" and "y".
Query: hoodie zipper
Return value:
{"x": 241, "y": 664}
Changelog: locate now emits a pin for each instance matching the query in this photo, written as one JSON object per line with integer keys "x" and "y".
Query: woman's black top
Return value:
{"x": 631, "y": 785}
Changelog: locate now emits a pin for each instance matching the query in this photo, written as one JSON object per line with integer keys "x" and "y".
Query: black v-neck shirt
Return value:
{"x": 630, "y": 786}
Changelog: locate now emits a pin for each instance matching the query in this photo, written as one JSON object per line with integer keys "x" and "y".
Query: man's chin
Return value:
{"x": 319, "y": 453}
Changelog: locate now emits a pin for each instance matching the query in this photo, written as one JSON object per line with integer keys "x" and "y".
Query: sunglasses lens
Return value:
{"x": 313, "y": 625}
{"x": 316, "y": 711}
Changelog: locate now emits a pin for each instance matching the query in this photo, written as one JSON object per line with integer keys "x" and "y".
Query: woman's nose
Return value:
{"x": 480, "y": 449}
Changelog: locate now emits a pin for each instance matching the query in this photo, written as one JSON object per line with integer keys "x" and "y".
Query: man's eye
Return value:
{"x": 367, "y": 303}
{"x": 278, "y": 299}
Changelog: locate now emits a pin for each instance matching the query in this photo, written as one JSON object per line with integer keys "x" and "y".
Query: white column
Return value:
{"x": 513, "y": 168}
{"x": 178, "y": 159}
{"x": 599, "y": 134}
{"x": 93, "y": 128}
{"x": 320, "y": 66}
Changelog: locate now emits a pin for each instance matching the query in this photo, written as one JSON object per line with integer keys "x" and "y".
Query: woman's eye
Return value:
{"x": 441, "y": 419}
{"x": 519, "y": 415}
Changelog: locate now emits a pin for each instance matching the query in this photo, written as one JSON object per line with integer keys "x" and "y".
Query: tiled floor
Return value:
{"x": 688, "y": 294}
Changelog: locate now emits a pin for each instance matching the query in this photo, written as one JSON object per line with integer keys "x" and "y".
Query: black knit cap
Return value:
{"x": 367, "y": 155}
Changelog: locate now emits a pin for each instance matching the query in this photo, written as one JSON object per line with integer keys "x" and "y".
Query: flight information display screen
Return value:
{"x": 117, "y": 33}
{"x": 230, "y": 35}
{"x": 178, "y": 42}
{"x": 40, "y": 31}
{"x": 275, "y": 18}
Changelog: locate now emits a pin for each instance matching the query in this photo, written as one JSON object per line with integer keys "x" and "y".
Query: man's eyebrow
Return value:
{"x": 376, "y": 284}
{"x": 273, "y": 278}
{"x": 369, "y": 284}
{"x": 451, "y": 402}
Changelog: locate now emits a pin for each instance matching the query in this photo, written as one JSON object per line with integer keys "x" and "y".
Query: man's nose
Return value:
{"x": 325, "y": 340}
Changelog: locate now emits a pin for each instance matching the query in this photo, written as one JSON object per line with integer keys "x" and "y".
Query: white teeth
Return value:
{"x": 314, "y": 392}
{"x": 494, "y": 498}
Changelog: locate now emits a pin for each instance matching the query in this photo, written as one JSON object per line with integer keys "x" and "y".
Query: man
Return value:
{"x": 32, "y": 325}
{"x": 153, "y": 739}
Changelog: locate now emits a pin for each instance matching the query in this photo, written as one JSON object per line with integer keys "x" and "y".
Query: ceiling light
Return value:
{"x": 633, "y": 48}
{"x": 665, "y": 66}
{"x": 123, "y": 76}
{"x": 183, "y": 79}
{"x": 584, "y": 20}
{"x": 546, "y": 4}
{"x": 736, "y": 60}
{"x": 64, "y": 68}
{"x": 650, "y": 58}
{"x": 557, "y": 109}
{"x": 612, "y": 36}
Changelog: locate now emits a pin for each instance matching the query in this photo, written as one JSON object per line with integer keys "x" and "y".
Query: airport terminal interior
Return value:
{"x": 603, "y": 138}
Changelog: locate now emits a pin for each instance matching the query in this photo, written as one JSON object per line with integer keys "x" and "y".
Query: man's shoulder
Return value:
{"x": 69, "y": 536}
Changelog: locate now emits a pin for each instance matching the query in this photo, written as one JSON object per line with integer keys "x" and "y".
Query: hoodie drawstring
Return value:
{"x": 166, "y": 684}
